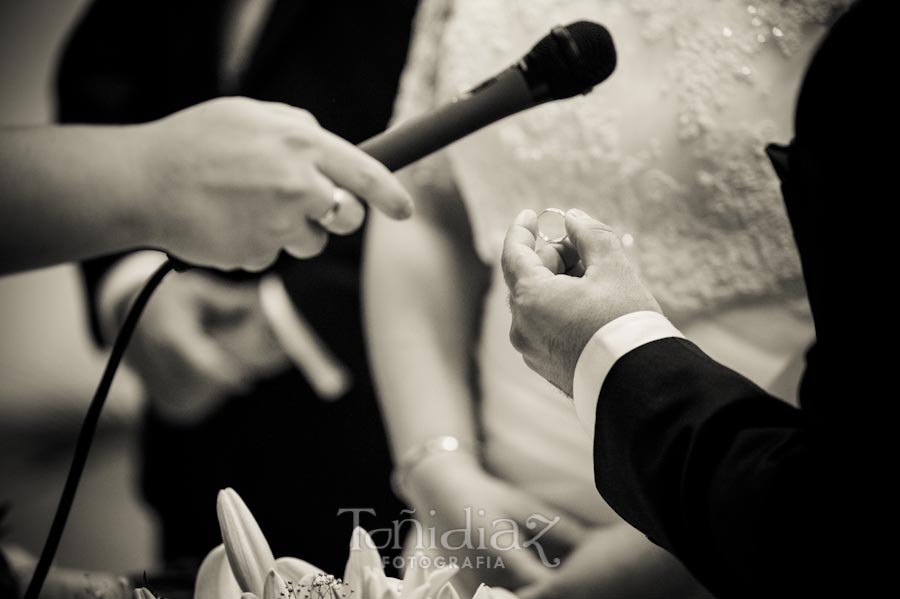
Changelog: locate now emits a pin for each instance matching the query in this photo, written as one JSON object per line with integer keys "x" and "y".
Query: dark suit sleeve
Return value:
{"x": 707, "y": 465}
{"x": 105, "y": 77}
{"x": 127, "y": 62}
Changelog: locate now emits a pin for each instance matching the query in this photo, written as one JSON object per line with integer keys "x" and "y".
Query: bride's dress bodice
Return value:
{"x": 669, "y": 150}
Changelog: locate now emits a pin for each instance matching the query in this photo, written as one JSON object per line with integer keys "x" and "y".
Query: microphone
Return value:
{"x": 569, "y": 61}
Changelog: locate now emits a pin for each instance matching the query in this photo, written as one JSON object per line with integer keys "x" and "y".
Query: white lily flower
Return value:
{"x": 247, "y": 549}
{"x": 365, "y": 575}
{"x": 243, "y": 567}
{"x": 241, "y": 564}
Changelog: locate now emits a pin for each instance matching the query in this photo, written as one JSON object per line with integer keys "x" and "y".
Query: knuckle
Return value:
{"x": 235, "y": 103}
{"x": 295, "y": 185}
{"x": 306, "y": 117}
{"x": 506, "y": 262}
{"x": 517, "y": 337}
{"x": 289, "y": 186}
{"x": 300, "y": 140}
{"x": 522, "y": 294}
{"x": 311, "y": 245}
{"x": 224, "y": 102}
{"x": 606, "y": 236}
{"x": 516, "y": 293}
{"x": 258, "y": 255}
{"x": 266, "y": 254}
{"x": 257, "y": 265}
{"x": 511, "y": 264}
{"x": 280, "y": 226}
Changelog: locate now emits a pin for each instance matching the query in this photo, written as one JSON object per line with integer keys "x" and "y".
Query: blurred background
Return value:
{"x": 48, "y": 366}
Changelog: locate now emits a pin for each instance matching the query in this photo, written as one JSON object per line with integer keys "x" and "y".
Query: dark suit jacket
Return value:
{"x": 9, "y": 587}
{"x": 752, "y": 494}
{"x": 130, "y": 62}
{"x": 295, "y": 460}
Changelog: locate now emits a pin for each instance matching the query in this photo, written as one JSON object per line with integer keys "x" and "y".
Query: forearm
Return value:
{"x": 68, "y": 193}
{"x": 423, "y": 289}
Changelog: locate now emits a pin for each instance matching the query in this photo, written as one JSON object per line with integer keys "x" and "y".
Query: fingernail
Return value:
{"x": 576, "y": 213}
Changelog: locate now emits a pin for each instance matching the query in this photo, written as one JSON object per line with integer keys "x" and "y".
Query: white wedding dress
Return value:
{"x": 670, "y": 150}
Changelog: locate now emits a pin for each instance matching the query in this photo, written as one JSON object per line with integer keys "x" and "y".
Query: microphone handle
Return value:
{"x": 495, "y": 99}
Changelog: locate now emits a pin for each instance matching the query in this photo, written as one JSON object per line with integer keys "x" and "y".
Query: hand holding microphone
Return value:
{"x": 238, "y": 180}
{"x": 233, "y": 181}
{"x": 241, "y": 179}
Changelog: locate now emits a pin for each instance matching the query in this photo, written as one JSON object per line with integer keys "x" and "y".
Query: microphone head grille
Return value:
{"x": 571, "y": 60}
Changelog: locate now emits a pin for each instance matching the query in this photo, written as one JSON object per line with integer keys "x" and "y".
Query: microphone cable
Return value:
{"x": 89, "y": 427}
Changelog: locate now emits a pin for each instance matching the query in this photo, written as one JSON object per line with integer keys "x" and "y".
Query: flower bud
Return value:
{"x": 248, "y": 551}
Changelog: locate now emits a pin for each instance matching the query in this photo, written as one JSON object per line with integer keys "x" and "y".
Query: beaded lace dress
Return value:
{"x": 669, "y": 150}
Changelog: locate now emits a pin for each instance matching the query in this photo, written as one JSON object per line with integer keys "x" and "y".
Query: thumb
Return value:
{"x": 593, "y": 239}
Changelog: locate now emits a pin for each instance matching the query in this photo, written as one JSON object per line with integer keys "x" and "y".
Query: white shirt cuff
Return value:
{"x": 121, "y": 283}
{"x": 611, "y": 342}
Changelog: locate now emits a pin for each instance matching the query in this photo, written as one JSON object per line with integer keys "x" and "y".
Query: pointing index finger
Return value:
{"x": 520, "y": 261}
{"x": 363, "y": 176}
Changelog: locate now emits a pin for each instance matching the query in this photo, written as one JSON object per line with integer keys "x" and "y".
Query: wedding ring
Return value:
{"x": 331, "y": 214}
{"x": 556, "y": 236}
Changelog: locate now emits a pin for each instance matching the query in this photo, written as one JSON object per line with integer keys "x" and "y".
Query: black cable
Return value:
{"x": 89, "y": 427}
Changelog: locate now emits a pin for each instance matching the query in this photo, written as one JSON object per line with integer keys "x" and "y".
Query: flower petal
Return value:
{"x": 486, "y": 592}
{"x": 214, "y": 579}
{"x": 415, "y": 575}
{"x": 377, "y": 586}
{"x": 275, "y": 587}
{"x": 363, "y": 556}
{"x": 447, "y": 592}
{"x": 440, "y": 578}
{"x": 247, "y": 549}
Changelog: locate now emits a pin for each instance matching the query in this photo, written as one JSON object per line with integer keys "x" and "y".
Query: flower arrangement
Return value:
{"x": 243, "y": 567}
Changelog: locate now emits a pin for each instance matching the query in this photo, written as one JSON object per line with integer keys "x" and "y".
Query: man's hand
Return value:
{"x": 231, "y": 182}
{"x": 561, "y": 294}
{"x": 200, "y": 341}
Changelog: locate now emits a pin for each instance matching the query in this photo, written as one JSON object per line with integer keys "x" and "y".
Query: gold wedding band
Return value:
{"x": 331, "y": 214}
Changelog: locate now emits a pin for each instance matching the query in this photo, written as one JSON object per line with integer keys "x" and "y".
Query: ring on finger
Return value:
{"x": 331, "y": 214}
